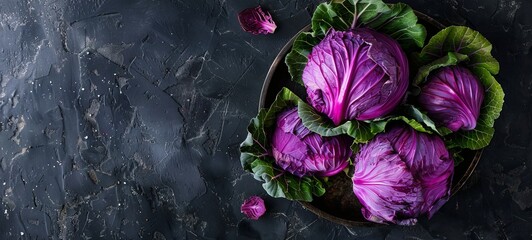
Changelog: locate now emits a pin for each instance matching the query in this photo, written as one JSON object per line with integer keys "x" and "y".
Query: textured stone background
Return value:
{"x": 121, "y": 119}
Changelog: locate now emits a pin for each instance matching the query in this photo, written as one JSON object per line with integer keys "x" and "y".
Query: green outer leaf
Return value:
{"x": 463, "y": 40}
{"x": 255, "y": 143}
{"x": 360, "y": 131}
{"x": 341, "y": 15}
{"x": 297, "y": 58}
{"x": 475, "y": 139}
{"x": 396, "y": 20}
{"x": 285, "y": 98}
{"x": 401, "y": 24}
{"x": 481, "y": 136}
{"x": 380, "y": 125}
{"x": 263, "y": 170}
{"x": 355, "y": 147}
{"x": 457, "y": 156}
{"x": 444, "y": 131}
{"x": 283, "y": 185}
{"x": 414, "y": 113}
{"x": 450, "y": 59}
{"x": 255, "y": 157}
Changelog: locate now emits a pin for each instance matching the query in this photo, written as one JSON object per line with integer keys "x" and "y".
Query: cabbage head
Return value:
{"x": 358, "y": 74}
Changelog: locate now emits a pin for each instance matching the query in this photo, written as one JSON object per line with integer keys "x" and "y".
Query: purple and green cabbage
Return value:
{"x": 304, "y": 153}
{"x": 458, "y": 89}
{"x": 452, "y": 98}
{"x": 353, "y": 66}
{"x": 290, "y": 160}
{"x": 401, "y": 175}
{"x": 358, "y": 74}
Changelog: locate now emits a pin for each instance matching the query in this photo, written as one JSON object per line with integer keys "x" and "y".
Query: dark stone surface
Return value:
{"x": 121, "y": 119}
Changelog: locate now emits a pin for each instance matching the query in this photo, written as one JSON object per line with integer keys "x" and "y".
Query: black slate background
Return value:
{"x": 121, "y": 119}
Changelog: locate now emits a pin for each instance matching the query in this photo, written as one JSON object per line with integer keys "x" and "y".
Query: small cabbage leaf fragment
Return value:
{"x": 256, "y": 21}
{"x": 253, "y": 207}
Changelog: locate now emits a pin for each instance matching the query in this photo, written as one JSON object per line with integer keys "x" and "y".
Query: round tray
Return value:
{"x": 339, "y": 204}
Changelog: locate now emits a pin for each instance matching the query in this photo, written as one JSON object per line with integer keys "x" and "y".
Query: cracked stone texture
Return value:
{"x": 121, "y": 120}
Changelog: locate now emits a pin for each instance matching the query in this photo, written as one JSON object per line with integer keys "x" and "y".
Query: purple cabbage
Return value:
{"x": 452, "y": 97}
{"x": 358, "y": 74}
{"x": 253, "y": 207}
{"x": 401, "y": 175}
{"x": 304, "y": 153}
{"x": 256, "y": 21}
{"x": 385, "y": 186}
